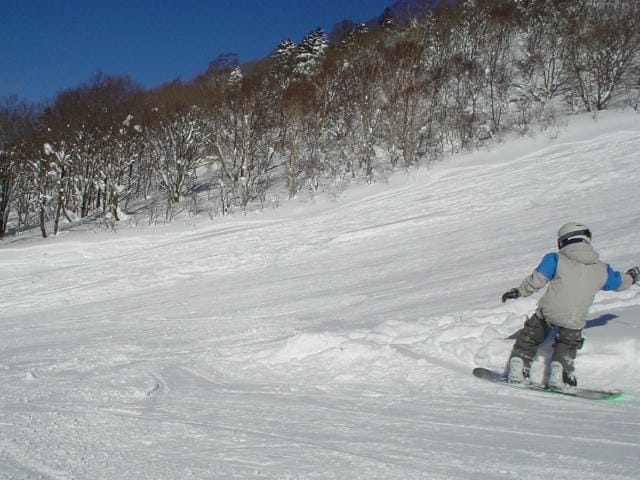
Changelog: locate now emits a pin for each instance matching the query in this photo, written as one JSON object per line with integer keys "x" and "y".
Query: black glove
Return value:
{"x": 510, "y": 295}
{"x": 635, "y": 274}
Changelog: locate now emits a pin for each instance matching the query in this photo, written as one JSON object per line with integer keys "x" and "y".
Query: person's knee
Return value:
{"x": 571, "y": 338}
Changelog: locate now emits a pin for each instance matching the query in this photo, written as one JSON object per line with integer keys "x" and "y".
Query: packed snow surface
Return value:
{"x": 329, "y": 339}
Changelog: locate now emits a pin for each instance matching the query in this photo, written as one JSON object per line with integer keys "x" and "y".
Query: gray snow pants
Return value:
{"x": 535, "y": 331}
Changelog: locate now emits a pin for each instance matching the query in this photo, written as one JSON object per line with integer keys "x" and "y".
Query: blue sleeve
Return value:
{"x": 548, "y": 265}
{"x": 614, "y": 279}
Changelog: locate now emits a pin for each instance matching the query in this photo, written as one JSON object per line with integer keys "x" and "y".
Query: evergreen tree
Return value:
{"x": 310, "y": 54}
{"x": 386, "y": 19}
{"x": 281, "y": 62}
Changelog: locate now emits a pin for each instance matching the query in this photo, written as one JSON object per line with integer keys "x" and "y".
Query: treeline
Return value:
{"x": 394, "y": 95}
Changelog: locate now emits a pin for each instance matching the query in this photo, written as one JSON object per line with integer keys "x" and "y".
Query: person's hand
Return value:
{"x": 635, "y": 274}
{"x": 510, "y": 295}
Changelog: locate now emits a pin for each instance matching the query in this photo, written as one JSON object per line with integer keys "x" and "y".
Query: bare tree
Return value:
{"x": 362, "y": 76}
{"x": 295, "y": 104}
{"x": 497, "y": 48}
{"x": 17, "y": 123}
{"x": 543, "y": 60}
{"x": 604, "y": 39}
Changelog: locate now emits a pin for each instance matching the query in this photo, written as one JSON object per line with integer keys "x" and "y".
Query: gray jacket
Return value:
{"x": 574, "y": 275}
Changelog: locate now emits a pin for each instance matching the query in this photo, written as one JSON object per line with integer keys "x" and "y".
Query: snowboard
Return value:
{"x": 588, "y": 393}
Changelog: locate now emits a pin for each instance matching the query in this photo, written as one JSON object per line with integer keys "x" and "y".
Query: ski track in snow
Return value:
{"x": 328, "y": 340}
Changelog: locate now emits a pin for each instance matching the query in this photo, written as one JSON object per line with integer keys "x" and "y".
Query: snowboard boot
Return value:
{"x": 517, "y": 371}
{"x": 559, "y": 379}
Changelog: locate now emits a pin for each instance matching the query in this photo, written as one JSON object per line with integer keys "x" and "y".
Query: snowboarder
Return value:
{"x": 572, "y": 275}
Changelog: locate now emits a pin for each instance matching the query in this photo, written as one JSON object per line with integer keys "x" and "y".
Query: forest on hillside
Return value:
{"x": 400, "y": 93}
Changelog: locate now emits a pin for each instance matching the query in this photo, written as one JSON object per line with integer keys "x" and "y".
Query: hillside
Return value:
{"x": 328, "y": 339}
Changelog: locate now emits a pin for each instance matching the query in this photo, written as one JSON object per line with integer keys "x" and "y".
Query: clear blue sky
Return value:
{"x": 50, "y": 45}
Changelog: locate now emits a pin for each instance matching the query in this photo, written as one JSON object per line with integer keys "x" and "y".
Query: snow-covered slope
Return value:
{"x": 329, "y": 339}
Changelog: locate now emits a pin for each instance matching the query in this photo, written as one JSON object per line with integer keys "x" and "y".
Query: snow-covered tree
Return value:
{"x": 310, "y": 54}
{"x": 60, "y": 181}
{"x": 177, "y": 145}
{"x": 281, "y": 64}
{"x": 235, "y": 77}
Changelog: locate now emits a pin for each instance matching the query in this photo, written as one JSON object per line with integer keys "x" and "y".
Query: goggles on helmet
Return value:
{"x": 574, "y": 237}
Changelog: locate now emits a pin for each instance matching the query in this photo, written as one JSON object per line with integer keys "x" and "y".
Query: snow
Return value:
{"x": 329, "y": 339}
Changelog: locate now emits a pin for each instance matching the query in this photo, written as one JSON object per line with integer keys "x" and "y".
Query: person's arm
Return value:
{"x": 621, "y": 281}
{"x": 542, "y": 275}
